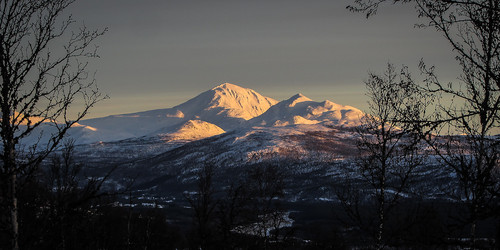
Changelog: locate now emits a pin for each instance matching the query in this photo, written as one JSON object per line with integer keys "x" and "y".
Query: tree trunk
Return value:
{"x": 475, "y": 211}
{"x": 381, "y": 218}
{"x": 10, "y": 193}
{"x": 473, "y": 234}
{"x": 13, "y": 212}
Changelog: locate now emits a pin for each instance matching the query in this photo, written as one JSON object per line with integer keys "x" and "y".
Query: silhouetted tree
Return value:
{"x": 231, "y": 212}
{"x": 470, "y": 106}
{"x": 244, "y": 214}
{"x": 265, "y": 183}
{"x": 39, "y": 84}
{"x": 73, "y": 194}
{"x": 389, "y": 148}
{"x": 204, "y": 203}
{"x": 64, "y": 201}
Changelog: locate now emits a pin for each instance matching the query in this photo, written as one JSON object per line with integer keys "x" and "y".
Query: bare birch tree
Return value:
{"x": 204, "y": 204}
{"x": 388, "y": 147}
{"x": 43, "y": 70}
{"x": 472, "y": 103}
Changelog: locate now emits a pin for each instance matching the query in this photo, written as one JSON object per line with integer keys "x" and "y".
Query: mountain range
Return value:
{"x": 233, "y": 128}
{"x": 224, "y": 108}
{"x": 236, "y": 130}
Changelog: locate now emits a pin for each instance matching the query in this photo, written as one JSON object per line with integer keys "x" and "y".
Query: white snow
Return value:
{"x": 222, "y": 108}
{"x": 302, "y": 110}
{"x": 239, "y": 102}
{"x": 193, "y": 130}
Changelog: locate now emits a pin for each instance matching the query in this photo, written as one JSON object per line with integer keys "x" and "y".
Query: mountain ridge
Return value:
{"x": 223, "y": 108}
{"x": 301, "y": 110}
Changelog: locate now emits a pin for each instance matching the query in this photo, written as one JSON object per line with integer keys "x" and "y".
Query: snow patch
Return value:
{"x": 193, "y": 130}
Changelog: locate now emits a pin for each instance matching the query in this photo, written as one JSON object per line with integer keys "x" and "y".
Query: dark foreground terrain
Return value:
{"x": 224, "y": 192}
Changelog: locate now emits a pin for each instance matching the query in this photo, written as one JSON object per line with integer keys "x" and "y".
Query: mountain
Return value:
{"x": 227, "y": 101}
{"x": 314, "y": 159}
{"x": 226, "y": 106}
{"x": 223, "y": 108}
{"x": 301, "y": 110}
{"x": 238, "y": 132}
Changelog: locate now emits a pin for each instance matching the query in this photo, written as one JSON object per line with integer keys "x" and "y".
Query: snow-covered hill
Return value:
{"x": 223, "y": 108}
{"x": 226, "y": 101}
{"x": 226, "y": 106}
{"x": 302, "y": 110}
{"x": 235, "y": 129}
{"x": 314, "y": 158}
{"x": 192, "y": 130}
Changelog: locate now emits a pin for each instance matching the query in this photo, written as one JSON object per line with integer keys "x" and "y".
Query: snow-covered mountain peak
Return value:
{"x": 301, "y": 110}
{"x": 298, "y": 98}
{"x": 238, "y": 102}
{"x": 222, "y": 108}
{"x": 229, "y": 86}
{"x": 78, "y": 125}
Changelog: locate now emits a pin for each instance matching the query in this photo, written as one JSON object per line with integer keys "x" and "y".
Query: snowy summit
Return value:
{"x": 223, "y": 108}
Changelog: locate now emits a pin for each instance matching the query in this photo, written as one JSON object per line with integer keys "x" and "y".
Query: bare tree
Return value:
{"x": 204, "y": 203}
{"x": 388, "y": 146}
{"x": 72, "y": 193}
{"x": 471, "y": 104}
{"x": 231, "y": 212}
{"x": 41, "y": 77}
{"x": 266, "y": 186}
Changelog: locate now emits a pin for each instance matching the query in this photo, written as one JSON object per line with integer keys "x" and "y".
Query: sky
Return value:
{"x": 160, "y": 53}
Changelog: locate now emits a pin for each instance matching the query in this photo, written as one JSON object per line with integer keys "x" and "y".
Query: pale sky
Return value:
{"x": 160, "y": 53}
